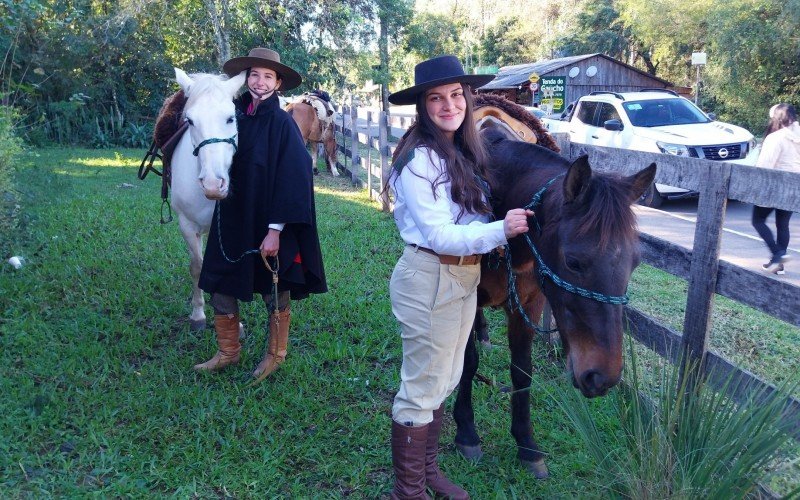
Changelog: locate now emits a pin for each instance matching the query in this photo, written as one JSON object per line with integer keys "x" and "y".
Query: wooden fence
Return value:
{"x": 706, "y": 274}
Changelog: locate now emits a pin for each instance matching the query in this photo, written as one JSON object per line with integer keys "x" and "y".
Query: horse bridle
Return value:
{"x": 544, "y": 270}
{"x": 213, "y": 140}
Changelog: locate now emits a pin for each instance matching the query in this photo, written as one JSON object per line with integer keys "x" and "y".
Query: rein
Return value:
{"x": 544, "y": 270}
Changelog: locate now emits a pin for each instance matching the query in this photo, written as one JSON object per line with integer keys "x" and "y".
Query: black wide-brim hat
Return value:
{"x": 434, "y": 72}
{"x": 264, "y": 58}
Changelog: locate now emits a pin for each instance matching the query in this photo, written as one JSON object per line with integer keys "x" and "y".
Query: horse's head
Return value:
{"x": 589, "y": 240}
{"x": 211, "y": 116}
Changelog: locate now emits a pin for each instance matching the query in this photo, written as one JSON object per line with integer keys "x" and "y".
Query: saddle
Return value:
{"x": 168, "y": 130}
{"x": 322, "y": 106}
{"x": 511, "y": 118}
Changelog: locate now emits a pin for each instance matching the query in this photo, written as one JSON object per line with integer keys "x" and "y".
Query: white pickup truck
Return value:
{"x": 658, "y": 121}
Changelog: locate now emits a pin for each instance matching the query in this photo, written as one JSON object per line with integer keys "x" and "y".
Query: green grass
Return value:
{"x": 96, "y": 356}
{"x": 95, "y": 368}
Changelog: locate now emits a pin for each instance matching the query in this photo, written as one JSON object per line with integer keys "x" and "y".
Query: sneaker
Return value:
{"x": 773, "y": 266}
{"x": 780, "y": 271}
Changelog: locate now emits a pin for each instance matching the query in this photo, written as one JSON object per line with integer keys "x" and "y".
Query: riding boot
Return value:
{"x": 434, "y": 478}
{"x": 227, "y": 328}
{"x": 408, "y": 460}
{"x": 278, "y": 343}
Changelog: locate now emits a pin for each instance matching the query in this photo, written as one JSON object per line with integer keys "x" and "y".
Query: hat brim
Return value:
{"x": 409, "y": 95}
{"x": 290, "y": 78}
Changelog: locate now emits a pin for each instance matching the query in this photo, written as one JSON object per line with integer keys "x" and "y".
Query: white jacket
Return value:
{"x": 781, "y": 149}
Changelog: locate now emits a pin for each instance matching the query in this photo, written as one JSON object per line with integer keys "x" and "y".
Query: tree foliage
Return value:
{"x": 95, "y": 72}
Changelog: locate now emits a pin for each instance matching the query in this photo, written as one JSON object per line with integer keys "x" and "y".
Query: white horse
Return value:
{"x": 200, "y": 165}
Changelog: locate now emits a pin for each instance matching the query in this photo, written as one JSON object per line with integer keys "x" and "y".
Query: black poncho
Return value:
{"x": 271, "y": 182}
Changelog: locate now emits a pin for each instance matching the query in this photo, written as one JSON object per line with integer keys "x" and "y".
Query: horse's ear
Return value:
{"x": 578, "y": 177}
{"x": 183, "y": 79}
{"x": 641, "y": 181}
{"x": 234, "y": 83}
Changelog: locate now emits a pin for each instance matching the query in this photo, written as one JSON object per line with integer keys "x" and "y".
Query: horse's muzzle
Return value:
{"x": 593, "y": 383}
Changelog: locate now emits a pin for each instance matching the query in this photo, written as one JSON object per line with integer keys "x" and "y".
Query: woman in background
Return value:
{"x": 781, "y": 151}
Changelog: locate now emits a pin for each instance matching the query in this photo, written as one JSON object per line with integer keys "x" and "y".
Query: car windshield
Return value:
{"x": 661, "y": 112}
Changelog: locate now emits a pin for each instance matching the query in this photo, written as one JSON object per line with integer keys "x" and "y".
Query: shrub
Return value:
{"x": 10, "y": 145}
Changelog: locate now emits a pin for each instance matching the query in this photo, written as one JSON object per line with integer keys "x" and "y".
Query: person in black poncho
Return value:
{"x": 270, "y": 208}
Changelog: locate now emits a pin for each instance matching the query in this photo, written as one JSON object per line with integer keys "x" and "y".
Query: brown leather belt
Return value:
{"x": 452, "y": 260}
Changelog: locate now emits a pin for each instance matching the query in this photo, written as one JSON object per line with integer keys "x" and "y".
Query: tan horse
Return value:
{"x": 316, "y": 132}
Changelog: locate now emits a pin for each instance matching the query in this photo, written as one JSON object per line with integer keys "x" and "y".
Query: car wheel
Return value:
{"x": 651, "y": 198}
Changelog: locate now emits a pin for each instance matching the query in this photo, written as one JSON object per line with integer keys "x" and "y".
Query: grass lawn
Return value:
{"x": 96, "y": 361}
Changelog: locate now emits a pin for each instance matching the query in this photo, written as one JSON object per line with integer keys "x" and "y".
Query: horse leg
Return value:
{"x": 194, "y": 244}
{"x": 520, "y": 338}
{"x": 481, "y": 328}
{"x": 314, "y": 156}
{"x": 467, "y": 441}
{"x": 330, "y": 155}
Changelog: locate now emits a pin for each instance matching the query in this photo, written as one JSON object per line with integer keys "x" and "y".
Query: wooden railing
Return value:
{"x": 716, "y": 183}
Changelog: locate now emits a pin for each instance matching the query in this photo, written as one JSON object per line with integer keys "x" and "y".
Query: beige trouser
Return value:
{"x": 435, "y": 305}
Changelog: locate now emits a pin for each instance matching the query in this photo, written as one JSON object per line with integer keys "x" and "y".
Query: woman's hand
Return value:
{"x": 516, "y": 222}
{"x": 269, "y": 247}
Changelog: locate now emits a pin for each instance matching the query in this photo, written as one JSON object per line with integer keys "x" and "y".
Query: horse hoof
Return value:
{"x": 486, "y": 344}
{"x": 473, "y": 453}
{"x": 241, "y": 331}
{"x": 538, "y": 468}
{"x": 316, "y": 171}
{"x": 196, "y": 325}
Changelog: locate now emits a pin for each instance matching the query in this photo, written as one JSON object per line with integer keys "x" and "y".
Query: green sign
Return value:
{"x": 553, "y": 89}
{"x": 486, "y": 70}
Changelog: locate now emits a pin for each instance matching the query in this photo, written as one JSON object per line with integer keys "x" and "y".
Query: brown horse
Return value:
{"x": 579, "y": 255}
{"x": 315, "y": 131}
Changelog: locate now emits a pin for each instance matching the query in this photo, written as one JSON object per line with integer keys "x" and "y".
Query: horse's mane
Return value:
{"x": 543, "y": 137}
{"x": 205, "y": 84}
{"x": 607, "y": 210}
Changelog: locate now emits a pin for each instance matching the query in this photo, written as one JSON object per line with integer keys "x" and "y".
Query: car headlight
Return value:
{"x": 673, "y": 149}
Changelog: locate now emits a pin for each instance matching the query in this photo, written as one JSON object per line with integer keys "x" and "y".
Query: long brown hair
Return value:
{"x": 465, "y": 156}
{"x": 780, "y": 116}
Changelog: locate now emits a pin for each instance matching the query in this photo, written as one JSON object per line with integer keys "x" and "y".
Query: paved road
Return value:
{"x": 741, "y": 245}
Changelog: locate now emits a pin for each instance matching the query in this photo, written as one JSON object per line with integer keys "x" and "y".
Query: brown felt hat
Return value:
{"x": 264, "y": 58}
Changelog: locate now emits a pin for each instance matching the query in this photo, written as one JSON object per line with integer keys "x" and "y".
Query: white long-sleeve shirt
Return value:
{"x": 430, "y": 221}
{"x": 781, "y": 149}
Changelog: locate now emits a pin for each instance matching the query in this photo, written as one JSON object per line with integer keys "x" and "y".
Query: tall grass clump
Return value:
{"x": 679, "y": 443}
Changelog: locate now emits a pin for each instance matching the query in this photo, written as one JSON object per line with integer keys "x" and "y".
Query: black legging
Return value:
{"x": 782, "y": 217}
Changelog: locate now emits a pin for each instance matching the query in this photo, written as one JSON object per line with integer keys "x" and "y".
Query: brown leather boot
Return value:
{"x": 408, "y": 459}
{"x": 278, "y": 343}
{"x": 434, "y": 478}
{"x": 227, "y": 328}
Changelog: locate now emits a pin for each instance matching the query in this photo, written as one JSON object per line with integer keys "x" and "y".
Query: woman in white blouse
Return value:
{"x": 781, "y": 151}
{"x": 442, "y": 212}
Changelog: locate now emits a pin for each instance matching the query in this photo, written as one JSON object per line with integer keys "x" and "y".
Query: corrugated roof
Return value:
{"x": 510, "y": 77}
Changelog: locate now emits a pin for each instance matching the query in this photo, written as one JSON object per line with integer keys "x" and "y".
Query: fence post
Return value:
{"x": 383, "y": 148}
{"x": 345, "y": 112}
{"x": 355, "y": 161}
{"x": 369, "y": 154}
{"x": 704, "y": 267}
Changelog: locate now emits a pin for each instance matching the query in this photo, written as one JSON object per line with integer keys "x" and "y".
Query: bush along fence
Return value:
{"x": 706, "y": 274}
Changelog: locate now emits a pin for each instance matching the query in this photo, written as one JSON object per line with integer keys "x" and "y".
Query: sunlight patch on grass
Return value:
{"x": 118, "y": 161}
